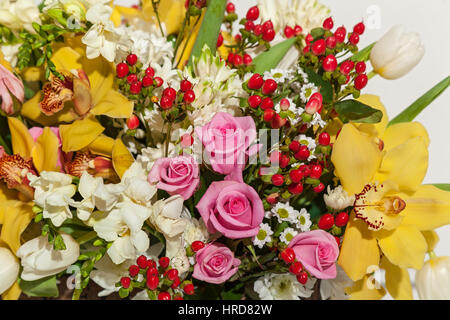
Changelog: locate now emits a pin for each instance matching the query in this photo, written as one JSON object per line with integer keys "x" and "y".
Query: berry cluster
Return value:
{"x": 160, "y": 280}
{"x": 290, "y": 32}
{"x": 295, "y": 267}
{"x": 334, "y": 223}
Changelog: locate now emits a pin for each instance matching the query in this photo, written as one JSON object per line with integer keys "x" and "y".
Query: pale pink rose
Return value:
{"x": 178, "y": 175}
{"x": 9, "y": 84}
{"x": 318, "y": 251}
{"x": 228, "y": 142}
{"x": 215, "y": 263}
{"x": 234, "y": 209}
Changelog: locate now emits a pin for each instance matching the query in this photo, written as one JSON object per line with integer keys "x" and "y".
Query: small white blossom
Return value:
{"x": 263, "y": 236}
{"x": 282, "y": 287}
{"x": 284, "y": 212}
{"x": 287, "y": 235}
{"x": 338, "y": 199}
{"x": 307, "y": 90}
{"x": 303, "y": 221}
{"x": 317, "y": 120}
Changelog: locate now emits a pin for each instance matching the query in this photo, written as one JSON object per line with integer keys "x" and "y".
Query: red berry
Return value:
{"x": 176, "y": 283}
{"x": 133, "y": 122}
{"x": 231, "y": 8}
{"x": 189, "y": 289}
{"x": 331, "y": 42}
{"x": 306, "y": 49}
{"x": 152, "y": 282}
{"x": 294, "y": 146}
{"x": 289, "y": 32}
{"x": 150, "y": 72}
{"x": 302, "y": 277}
{"x": 295, "y": 188}
{"x": 159, "y": 82}
{"x": 288, "y": 255}
{"x": 341, "y": 219}
{"x": 296, "y": 268}
{"x": 304, "y": 169}
{"x": 284, "y": 104}
{"x": 247, "y": 59}
{"x": 303, "y": 153}
{"x": 346, "y": 67}
{"x": 361, "y": 81}
{"x": 324, "y": 139}
{"x": 122, "y": 70}
{"x": 272, "y": 199}
{"x": 296, "y": 175}
{"x": 166, "y": 103}
{"x": 277, "y": 122}
{"x": 277, "y": 180}
{"x": 164, "y": 262}
{"x": 326, "y": 222}
{"x": 237, "y": 60}
{"x": 172, "y": 274}
{"x": 151, "y": 263}
{"x": 189, "y": 96}
{"x": 136, "y": 87}
{"x": 328, "y": 23}
{"x": 268, "y": 25}
{"x": 354, "y": 39}
{"x": 269, "y": 35}
{"x": 132, "y": 59}
{"x": 309, "y": 38}
{"x": 275, "y": 157}
{"x": 267, "y": 103}
{"x": 230, "y": 58}
{"x": 268, "y": 115}
{"x": 316, "y": 171}
{"x": 319, "y": 188}
{"x": 178, "y": 298}
{"x": 133, "y": 270}
{"x": 359, "y": 28}
{"x": 255, "y": 82}
{"x": 125, "y": 282}
{"x": 170, "y": 93}
{"x": 219, "y": 40}
{"x": 269, "y": 87}
{"x": 284, "y": 161}
{"x": 185, "y": 85}
{"x": 142, "y": 262}
{"x": 360, "y": 67}
{"x": 254, "y": 101}
{"x": 338, "y": 241}
{"x": 340, "y": 34}
{"x": 164, "y": 296}
{"x": 132, "y": 78}
{"x": 329, "y": 64}
{"x": 252, "y": 13}
{"x": 147, "y": 81}
{"x": 318, "y": 47}
{"x": 298, "y": 30}
{"x": 238, "y": 38}
{"x": 153, "y": 271}
{"x": 258, "y": 30}
{"x": 197, "y": 246}
{"x": 187, "y": 140}
{"x": 249, "y": 25}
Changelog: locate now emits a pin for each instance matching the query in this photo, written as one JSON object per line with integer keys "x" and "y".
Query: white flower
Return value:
{"x": 279, "y": 75}
{"x": 303, "y": 221}
{"x": 307, "y": 90}
{"x": 396, "y": 53}
{"x": 338, "y": 199}
{"x": 317, "y": 121}
{"x": 282, "y": 287}
{"x": 263, "y": 236}
{"x": 287, "y": 235}
{"x": 334, "y": 289}
{"x": 53, "y": 193}
{"x": 148, "y": 156}
{"x": 40, "y": 260}
{"x": 195, "y": 230}
{"x": 87, "y": 186}
{"x": 9, "y": 269}
{"x": 433, "y": 280}
{"x": 18, "y": 15}
{"x": 107, "y": 274}
{"x": 307, "y": 141}
{"x": 102, "y": 38}
{"x": 10, "y": 53}
{"x": 284, "y": 212}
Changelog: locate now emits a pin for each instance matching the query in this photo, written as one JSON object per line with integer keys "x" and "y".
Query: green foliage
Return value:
{"x": 326, "y": 89}
{"x": 45, "y": 287}
{"x": 443, "y": 186}
{"x": 364, "y": 54}
{"x": 355, "y": 111}
{"x": 271, "y": 58}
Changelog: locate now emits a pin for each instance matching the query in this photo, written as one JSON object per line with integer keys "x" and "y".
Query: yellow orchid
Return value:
{"x": 384, "y": 167}
{"x": 78, "y": 99}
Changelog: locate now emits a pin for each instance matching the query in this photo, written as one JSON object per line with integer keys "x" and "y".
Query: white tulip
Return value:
{"x": 9, "y": 269}
{"x": 433, "y": 280}
{"x": 40, "y": 260}
{"x": 396, "y": 53}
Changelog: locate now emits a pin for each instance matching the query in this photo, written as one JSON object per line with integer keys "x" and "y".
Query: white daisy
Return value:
{"x": 307, "y": 90}
{"x": 307, "y": 141}
{"x": 284, "y": 212}
{"x": 317, "y": 120}
{"x": 263, "y": 236}
{"x": 304, "y": 221}
{"x": 287, "y": 235}
{"x": 279, "y": 75}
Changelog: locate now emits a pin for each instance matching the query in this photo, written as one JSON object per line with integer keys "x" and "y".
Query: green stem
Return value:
{"x": 155, "y": 5}
{"x": 87, "y": 237}
{"x": 372, "y": 74}
{"x": 169, "y": 132}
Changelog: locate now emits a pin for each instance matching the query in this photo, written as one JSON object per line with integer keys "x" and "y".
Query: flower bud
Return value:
{"x": 433, "y": 280}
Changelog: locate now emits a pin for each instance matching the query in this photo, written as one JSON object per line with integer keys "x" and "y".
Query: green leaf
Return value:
{"x": 364, "y": 54}
{"x": 209, "y": 31}
{"x": 355, "y": 111}
{"x": 45, "y": 287}
{"x": 270, "y": 59}
{"x": 325, "y": 87}
{"x": 443, "y": 186}
{"x": 317, "y": 33}
{"x": 410, "y": 113}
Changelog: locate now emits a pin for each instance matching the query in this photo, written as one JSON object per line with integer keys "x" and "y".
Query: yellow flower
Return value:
{"x": 384, "y": 167}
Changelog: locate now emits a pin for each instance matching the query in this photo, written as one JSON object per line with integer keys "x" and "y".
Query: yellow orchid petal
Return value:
{"x": 398, "y": 283}
{"x": 79, "y": 134}
{"x": 114, "y": 105}
{"x": 368, "y": 288}
{"x": 376, "y": 129}
{"x": 398, "y": 134}
{"x": 17, "y": 216}
{"x": 428, "y": 208}
{"x": 121, "y": 158}
{"x": 333, "y": 127}
{"x": 21, "y": 140}
{"x": 12, "y": 293}
{"x": 66, "y": 58}
{"x": 406, "y": 164}
{"x": 33, "y": 74}
{"x": 404, "y": 246}
{"x": 356, "y": 158}
{"x": 45, "y": 152}
{"x": 125, "y": 12}
{"x": 102, "y": 146}
{"x": 171, "y": 13}
{"x": 101, "y": 77}
{"x": 358, "y": 242}
{"x": 432, "y": 239}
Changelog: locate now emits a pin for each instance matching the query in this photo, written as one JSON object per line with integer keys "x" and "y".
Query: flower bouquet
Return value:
{"x": 173, "y": 150}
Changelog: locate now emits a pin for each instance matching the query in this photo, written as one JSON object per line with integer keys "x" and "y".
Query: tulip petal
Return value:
{"x": 45, "y": 153}
{"x": 79, "y": 134}
{"x": 358, "y": 242}
{"x": 398, "y": 283}
{"x": 404, "y": 246}
{"x": 21, "y": 140}
{"x": 121, "y": 158}
{"x": 356, "y": 158}
{"x": 368, "y": 288}
{"x": 374, "y": 129}
{"x": 114, "y": 105}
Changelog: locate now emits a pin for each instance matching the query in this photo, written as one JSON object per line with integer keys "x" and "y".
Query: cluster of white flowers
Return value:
{"x": 282, "y": 287}
{"x": 18, "y": 15}
{"x": 338, "y": 199}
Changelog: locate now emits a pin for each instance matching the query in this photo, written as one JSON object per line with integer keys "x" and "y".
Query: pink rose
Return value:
{"x": 318, "y": 251}
{"x": 10, "y": 85}
{"x": 227, "y": 141}
{"x": 215, "y": 263}
{"x": 234, "y": 209}
{"x": 179, "y": 175}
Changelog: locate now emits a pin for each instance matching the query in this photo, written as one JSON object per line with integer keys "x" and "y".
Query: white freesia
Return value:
{"x": 107, "y": 274}
{"x": 102, "y": 38}
{"x": 9, "y": 269}
{"x": 396, "y": 53}
{"x": 338, "y": 199}
{"x": 282, "y": 287}
{"x": 334, "y": 289}
{"x": 10, "y": 53}
{"x": 40, "y": 260}
{"x": 433, "y": 280}
{"x": 18, "y": 15}
{"x": 148, "y": 156}
{"x": 86, "y": 188}
{"x": 53, "y": 193}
